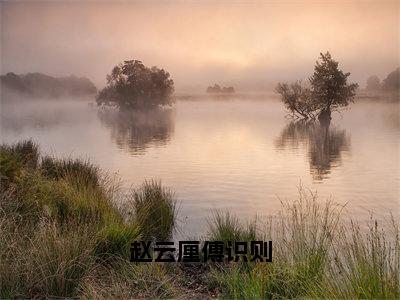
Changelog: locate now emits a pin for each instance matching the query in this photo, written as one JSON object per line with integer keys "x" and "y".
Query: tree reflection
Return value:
{"x": 136, "y": 131}
{"x": 324, "y": 145}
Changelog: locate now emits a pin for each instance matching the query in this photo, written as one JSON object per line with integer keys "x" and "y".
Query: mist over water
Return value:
{"x": 237, "y": 154}
{"x": 197, "y": 134}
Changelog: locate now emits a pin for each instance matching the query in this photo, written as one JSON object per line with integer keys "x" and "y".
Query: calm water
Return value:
{"x": 241, "y": 155}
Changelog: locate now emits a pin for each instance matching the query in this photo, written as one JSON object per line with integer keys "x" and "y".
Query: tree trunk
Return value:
{"x": 324, "y": 117}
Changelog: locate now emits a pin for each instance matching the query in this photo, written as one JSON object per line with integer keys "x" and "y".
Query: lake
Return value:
{"x": 242, "y": 155}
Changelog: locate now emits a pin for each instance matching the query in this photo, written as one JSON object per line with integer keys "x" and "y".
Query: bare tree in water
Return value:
{"x": 328, "y": 90}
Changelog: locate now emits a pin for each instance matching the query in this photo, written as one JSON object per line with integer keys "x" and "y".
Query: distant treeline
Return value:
{"x": 216, "y": 89}
{"x": 390, "y": 83}
{"x": 41, "y": 85}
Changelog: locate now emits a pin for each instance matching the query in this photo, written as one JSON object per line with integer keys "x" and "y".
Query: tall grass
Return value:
{"x": 84, "y": 171}
{"x": 130, "y": 281}
{"x": 366, "y": 263}
{"x": 223, "y": 226}
{"x": 14, "y": 157}
{"x": 62, "y": 231}
{"x": 155, "y": 210}
{"x": 315, "y": 254}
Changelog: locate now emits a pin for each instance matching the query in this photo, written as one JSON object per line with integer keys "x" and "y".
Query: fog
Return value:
{"x": 250, "y": 45}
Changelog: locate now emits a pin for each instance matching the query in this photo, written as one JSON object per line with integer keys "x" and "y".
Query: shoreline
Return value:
{"x": 66, "y": 236}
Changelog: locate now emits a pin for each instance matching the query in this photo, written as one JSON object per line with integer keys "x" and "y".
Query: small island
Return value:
{"x": 216, "y": 89}
{"x": 132, "y": 85}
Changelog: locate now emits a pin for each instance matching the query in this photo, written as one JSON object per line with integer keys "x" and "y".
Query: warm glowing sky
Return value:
{"x": 253, "y": 44}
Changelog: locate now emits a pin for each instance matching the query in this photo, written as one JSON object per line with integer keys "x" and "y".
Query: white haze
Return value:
{"x": 251, "y": 45}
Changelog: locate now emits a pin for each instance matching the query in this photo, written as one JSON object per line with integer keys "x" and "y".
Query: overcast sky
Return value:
{"x": 249, "y": 44}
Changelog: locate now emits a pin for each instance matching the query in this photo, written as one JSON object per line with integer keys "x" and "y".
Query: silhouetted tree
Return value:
{"x": 297, "y": 99}
{"x": 329, "y": 87}
{"x": 328, "y": 90}
{"x": 133, "y": 85}
{"x": 13, "y": 82}
{"x": 392, "y": 81}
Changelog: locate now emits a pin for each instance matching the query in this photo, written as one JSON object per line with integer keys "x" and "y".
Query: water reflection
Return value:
{"x": 391, "y": 118}
{"x": 135, "y": 131}
{"x": 324, "y": 145}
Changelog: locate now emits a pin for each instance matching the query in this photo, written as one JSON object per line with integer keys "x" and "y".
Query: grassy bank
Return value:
{"x": 316, "y": 255}
{"x": 65, "y": 233}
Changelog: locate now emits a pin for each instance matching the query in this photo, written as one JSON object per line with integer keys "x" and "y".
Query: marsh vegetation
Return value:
{"x": 65, "y": 235}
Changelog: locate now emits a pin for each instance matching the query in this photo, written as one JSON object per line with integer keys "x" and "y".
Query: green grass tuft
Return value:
{"x": 227, "y": 227}
{"x": 116, "y": 239}
{"x": 13, "y": 158}
{"x": 155, "y": 210}
{"x": 83, "y": 171}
